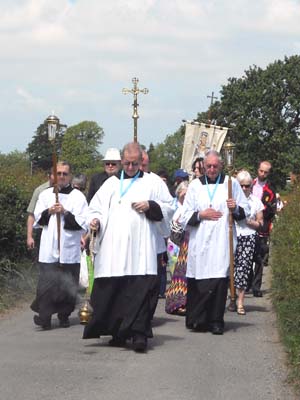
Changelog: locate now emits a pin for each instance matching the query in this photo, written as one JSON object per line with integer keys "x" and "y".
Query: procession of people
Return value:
{"x": 129, "y": 216}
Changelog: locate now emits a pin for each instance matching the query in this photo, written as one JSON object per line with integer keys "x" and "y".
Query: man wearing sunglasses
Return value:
{"x": 124, "y": 212}
{"x": 112, "y": 164}
{"x": 59, "y": 253}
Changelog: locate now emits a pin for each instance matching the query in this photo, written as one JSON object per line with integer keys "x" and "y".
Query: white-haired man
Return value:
{"x": 206, "y": 212}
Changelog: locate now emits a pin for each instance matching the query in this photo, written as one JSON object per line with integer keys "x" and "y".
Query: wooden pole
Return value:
{"x": 231, "y": 253}
{"x": 58, "y": 218}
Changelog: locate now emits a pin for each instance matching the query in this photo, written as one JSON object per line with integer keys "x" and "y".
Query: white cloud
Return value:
{"x": 76, "y": 56}
{"x": 27, "y": 100}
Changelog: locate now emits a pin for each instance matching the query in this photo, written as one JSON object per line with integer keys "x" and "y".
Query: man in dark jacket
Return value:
{"x": 112, "y": 163}
{"x": 264, "y": 191}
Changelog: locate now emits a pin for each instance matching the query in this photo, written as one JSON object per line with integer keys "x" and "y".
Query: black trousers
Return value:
{"x": 262, "y": 252}
{"x": 206, "y": 301}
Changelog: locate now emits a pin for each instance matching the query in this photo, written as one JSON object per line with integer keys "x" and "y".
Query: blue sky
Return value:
{"x": 75, "y": 56}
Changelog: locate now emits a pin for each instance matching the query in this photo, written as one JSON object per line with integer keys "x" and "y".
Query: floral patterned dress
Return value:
{"x": 177, "y": 291}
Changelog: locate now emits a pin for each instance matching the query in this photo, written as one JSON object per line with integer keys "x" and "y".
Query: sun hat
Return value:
{"x": 112, "y": 154}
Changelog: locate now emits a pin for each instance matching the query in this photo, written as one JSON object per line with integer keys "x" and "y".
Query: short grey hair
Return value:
{"x": 79, "y": 181}
{"x": 182, "y": 185}
{"x": 244, "y": 176}
{"x": 132, "y": 147}
{"x": 212, "y": 153}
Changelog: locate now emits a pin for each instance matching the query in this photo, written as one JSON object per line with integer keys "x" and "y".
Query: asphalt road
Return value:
{"x": 247, "y": 362}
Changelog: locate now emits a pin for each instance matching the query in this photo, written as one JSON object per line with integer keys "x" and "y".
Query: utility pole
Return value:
{"x": 212, "y": 98}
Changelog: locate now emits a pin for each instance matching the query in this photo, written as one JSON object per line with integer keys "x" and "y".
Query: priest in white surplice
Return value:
{"x": 206, "y": 213}
{"x": 59, "y": 269}
{"x": 125, "y": 211}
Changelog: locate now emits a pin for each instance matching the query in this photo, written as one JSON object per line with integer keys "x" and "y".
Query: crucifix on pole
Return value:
{"x": 212, "y": 98}
{"x": 135, "y": 91}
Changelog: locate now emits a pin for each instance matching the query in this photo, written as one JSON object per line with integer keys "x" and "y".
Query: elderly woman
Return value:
{"x": 176, "y": 292}
{"x": 246, "y": 239}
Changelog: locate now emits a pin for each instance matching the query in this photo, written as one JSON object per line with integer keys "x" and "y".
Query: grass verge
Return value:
{"x": 17, "y": 283}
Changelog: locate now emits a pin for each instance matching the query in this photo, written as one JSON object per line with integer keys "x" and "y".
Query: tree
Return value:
{"x": 16, "y": 189}
{"x": 40, "y": 150}
{"x": 15, "y": 160}
{"x": 167, "y": 155}
{"x": 80, "y": 145}
{"x": 262, "y": 109}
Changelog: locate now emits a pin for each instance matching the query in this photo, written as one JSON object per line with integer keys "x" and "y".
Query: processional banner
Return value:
{"x": 198, "y": 139}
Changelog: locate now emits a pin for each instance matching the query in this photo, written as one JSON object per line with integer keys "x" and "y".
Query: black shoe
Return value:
{"x": 200, "y": 328}
{"x": 217, "y": 330}
{"x": 116, "y": 341}
{"x": 257, "y": 293}
{"x": 45, "y": 324}
{"x": 64, "y": 321}
{"x": 139, "y": 342}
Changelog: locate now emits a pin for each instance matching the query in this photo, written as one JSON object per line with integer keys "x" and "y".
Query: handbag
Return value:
{"x": 177, "y": 233}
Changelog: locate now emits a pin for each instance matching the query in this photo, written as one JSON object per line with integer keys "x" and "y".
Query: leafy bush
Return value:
{"x": 286, "y": 279}
{"x": 16, "y": 189}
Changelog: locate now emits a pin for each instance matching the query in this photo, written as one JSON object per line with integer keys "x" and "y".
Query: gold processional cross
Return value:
{"x": 135, "y": 91}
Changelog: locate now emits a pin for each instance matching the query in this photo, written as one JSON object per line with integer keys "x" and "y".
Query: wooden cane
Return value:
{"x": 231, "y": 254}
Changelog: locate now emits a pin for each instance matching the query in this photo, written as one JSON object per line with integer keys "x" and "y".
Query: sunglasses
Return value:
{"x": 133, "y": 164}
{"x": 246, "y": 186}
{"x": 113, "y": 164}
{"x": 62, "y": 174}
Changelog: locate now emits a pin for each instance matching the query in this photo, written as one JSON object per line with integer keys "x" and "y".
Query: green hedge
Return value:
{"x": 15, "y": 192}
{"x": 285, "y": 263}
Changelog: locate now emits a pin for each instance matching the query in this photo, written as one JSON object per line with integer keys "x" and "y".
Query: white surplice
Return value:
{"x": 208, "y": 251}
{"x": 126, "y": 244}
{"x": 74, "y": 202}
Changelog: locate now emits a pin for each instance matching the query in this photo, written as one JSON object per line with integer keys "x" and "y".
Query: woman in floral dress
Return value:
{"x": 246, "y": 239}
{"x": 176, "y": 292}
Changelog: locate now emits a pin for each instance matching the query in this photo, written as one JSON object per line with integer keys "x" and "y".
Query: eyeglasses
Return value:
{"x": 62, "y": 173}
{"x": 113, "y": 164}
{"x": 245, "y": 186}
{"x": 214, "y": 166}
{"x": 133, "y": 164}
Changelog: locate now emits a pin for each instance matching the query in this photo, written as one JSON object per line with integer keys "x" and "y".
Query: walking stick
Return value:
{"x": 229, "y": 157}
{"x": 86, "y": 310}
